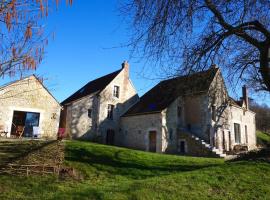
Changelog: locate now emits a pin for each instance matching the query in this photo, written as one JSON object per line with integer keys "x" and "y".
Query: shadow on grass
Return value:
{"x": 261, "y": 155}
{"x": 119, "y": 163}
{"x": 12, "y": 151}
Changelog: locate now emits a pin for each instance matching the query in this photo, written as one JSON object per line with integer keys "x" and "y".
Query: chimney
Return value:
{"x": 245, "y": 96}
{"x": 125, "y": 66}
{"x": 214, "y": 66}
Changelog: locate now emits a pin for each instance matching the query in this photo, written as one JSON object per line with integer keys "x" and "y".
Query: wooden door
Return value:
{"x": 152, "y": 141}
{"x": 110, "y": 137}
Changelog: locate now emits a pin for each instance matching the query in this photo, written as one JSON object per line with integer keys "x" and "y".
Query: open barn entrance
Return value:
{"x": 23, "y": 123}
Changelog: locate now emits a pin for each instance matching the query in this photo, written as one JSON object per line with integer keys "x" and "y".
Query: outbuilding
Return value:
{"x": 28, "y": 109}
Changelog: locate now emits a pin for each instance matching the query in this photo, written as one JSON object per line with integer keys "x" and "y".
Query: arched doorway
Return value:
{"x": 152, "y": 141}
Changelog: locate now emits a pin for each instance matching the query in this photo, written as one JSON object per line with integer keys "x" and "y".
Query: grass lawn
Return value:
{"x": 263, "y": 138}
{"x": 119, "y": 173}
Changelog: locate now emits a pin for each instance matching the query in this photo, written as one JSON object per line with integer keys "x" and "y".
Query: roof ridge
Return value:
{"x": 92, "y": 86}
{"x": 189, "y": 75}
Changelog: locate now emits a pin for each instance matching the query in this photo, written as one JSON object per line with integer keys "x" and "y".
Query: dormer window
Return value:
{"x": 116, "y": 90}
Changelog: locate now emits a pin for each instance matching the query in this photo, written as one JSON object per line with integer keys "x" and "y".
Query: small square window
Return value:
{"x": 90, "y": 113}
{"x": 116, "y": 90}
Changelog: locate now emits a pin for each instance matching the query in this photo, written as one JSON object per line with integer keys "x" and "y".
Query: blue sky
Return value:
{"x": 88, "y": 36}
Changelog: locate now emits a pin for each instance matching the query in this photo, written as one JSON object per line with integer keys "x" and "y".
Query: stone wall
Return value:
{"x": 193, "y": 147}
{"x": 78, "y": 123}
{"x": 135, "y": 131}
{"x": 29, "y": 95}
{"x": 244, "y": 118}
{"x": 128, "y": 97}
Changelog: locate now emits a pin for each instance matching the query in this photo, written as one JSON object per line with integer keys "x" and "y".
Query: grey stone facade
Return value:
{"x": 76, "y": 117}
{"x": 29, "y": 95}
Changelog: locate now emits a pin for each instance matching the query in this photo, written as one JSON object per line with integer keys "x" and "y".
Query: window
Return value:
{"x": 110, "y": 111}
{"x": 179, "y": 111}
{"x": 171, "y": 134}
{"x": 237, "y": 133}
{"x": 214, "y": 113}
{"x": 116, "y": 91}
{"x": 90, "y": 113}
{"x": 246, "y": 134}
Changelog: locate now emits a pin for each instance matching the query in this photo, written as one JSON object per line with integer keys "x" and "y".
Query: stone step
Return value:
{"x": 216, "y": 151}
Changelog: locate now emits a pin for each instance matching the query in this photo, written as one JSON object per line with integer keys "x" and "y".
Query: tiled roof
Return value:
{"x": 164, "y": 93}
{"x": 235, "y": 103}
{"x": 94, "y": 86}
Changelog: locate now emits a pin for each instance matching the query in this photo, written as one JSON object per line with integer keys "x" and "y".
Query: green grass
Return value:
{"x": 119, "y": 173}
{"x": 263, "y": 138}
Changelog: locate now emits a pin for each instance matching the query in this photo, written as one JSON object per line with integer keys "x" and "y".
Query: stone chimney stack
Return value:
{"x": 214, "y": 66}
{"x": 125, "y": 66}
{"x": 245, "y": 96}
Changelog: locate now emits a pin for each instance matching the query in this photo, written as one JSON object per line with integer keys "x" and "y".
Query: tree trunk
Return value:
{"x": 265, "y": 66}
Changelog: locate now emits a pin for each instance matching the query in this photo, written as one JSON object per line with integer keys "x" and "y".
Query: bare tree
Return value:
{"x": 22, "y": 36}
{"x": 195, "y": 34}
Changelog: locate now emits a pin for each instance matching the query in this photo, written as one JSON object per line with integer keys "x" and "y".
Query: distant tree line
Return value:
{"x": 262, "y": 116}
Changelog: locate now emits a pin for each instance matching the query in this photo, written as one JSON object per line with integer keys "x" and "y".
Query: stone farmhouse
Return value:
{"x": 27, "y": 109}
{"x": 190, "y": 115}
{"x": 93, "y": 112}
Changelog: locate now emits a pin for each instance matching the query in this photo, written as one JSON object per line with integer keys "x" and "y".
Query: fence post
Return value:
{"x": 27, "y": 171}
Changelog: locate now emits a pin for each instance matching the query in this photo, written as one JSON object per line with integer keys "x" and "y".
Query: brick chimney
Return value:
{"x": 125, "y": 66}
{"x": 245, "y": 96}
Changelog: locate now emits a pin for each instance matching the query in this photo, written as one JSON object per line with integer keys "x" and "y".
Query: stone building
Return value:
{"x": 93, "y": 112}
{"x": 28, "y": 104}
{"x": 191, "y": 115}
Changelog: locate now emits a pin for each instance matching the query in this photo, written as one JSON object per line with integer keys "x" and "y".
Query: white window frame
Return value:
{"x": 110, "y": 109}
{"x": 116, "y": 92}
{"x": 237, "y": 142}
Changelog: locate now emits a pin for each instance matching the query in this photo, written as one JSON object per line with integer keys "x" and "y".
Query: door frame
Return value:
{"x": 110, "y": 132}
{"x": 179, "y": 146}
{"x": 25, "y": 119}
{"x": 149, "y": 140}
{"x": 24, "y": 109}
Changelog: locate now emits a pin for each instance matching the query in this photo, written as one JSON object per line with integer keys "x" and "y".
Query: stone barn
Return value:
{"x": 28, "y": 109}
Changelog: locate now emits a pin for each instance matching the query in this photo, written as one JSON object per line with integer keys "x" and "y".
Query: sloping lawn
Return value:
{"x": 263, "y": 138}
{"x": 119, "y": 173}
